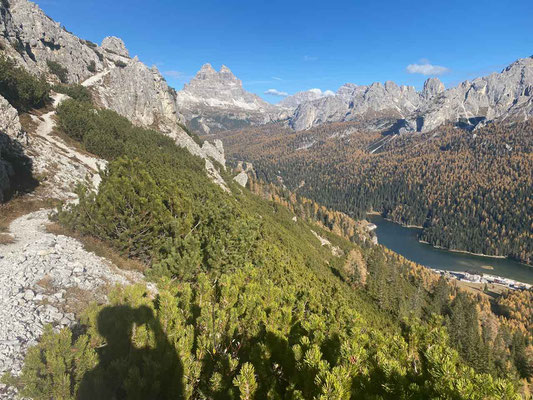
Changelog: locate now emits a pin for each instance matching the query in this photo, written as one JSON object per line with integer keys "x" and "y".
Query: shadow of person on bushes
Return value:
{"x": 126, "y": 371}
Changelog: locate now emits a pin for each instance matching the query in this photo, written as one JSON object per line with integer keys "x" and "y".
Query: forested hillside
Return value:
{"x": 250, "y": 302}
{"x": 469, "y": 191}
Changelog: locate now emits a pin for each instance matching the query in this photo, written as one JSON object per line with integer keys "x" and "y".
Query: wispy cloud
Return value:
{"x": 174, "y": 74}
{"x": 276, "y": 92}
{"x": 276, "y": 78}
{"x": 425, "y": 68}
{"x": 310, "y": 58}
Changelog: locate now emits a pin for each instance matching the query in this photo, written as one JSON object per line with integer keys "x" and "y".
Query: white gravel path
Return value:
{"x": 26, "y": 303}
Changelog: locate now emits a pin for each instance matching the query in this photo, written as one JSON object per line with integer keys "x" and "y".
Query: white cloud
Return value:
{"x": 276, "y": 92}
{"x": 322, "y": 93}
{"x": 276, "y": 78}
{"x": 426, "y": 69}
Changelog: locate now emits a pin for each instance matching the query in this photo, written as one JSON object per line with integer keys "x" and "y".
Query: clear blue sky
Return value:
{"x": 297, "y": 45}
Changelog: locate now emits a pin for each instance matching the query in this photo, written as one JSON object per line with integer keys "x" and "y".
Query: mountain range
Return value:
{"x": 387, "y": 107}
{"x": 236, "y": 283}
{"x": 216, "y": 101}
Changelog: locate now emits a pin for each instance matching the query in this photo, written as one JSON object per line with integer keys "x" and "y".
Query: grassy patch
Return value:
{"x": 20, "y": 206}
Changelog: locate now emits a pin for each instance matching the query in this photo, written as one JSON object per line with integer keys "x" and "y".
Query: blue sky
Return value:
{"x": 298, "y": 45}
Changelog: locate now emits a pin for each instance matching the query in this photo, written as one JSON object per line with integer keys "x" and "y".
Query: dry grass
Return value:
{"x": 20, "y": 206}
{"x": 478, "y": 288}
{"x": 77, "y": 299}
{"x": 6, "y": 239}
{"x": 28, "y": 123}
{"x": 99, "y": 248}
{"x": 47, "y": 283}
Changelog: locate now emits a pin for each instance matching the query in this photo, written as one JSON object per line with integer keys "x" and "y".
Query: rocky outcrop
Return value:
{"x": 34, "y": 38}
{"x": 500, "y": 96}
{"x": 140, "y": 94}
{"x": 9, "y": 121}
{"x": 11, "y": 136}
{"x": 215, "y": 151}
{"x": 376, "y": 102}
{"x": 214, "y": 101}
{"x": 296, "y": 99}
{"x": 115, "y": 45}
{"x": 432, "y": 87}
{"x": 241, "y": 178}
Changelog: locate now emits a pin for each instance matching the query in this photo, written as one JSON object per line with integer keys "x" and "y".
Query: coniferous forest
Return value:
{"x": 469, "y": 191}
{"x": 253, "y": 303}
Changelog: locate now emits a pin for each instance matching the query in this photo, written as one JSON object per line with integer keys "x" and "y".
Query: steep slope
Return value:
{"x": 217, "y": 101}
{"x": 118, "y": 82}
{"x": 500, "y": 96}
{"x": 469, "y": 191}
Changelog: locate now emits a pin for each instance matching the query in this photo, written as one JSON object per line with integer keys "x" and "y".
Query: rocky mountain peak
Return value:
{"x": 225, "y": 70}
{"x": 217, "y": 100}
{"x": 207, "y": 76}
{"x": 206, "y": 70}
{"x": 115, "y": 45}
{"x": 432, "y": 87}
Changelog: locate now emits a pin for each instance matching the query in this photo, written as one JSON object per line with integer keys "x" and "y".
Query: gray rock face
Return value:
{"x": 432, "y": 88}
{"x": 215, "y": 151}
{"x": 12, "y": 138}
{"x": 9, "y": 121}
{"x": 296, "y": 99}
{"x": 352, "y": 102}
{"x": 217, "y": 101}
{"x": 115, "y": 45}
{"x": 500, "y": 96}
{"x": 241, "y": 178}
{"x": 140, "y": 94}
{"x": 39, "y": 38}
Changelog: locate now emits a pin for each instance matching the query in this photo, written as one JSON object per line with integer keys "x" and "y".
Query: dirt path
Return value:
{"x": 95, "y": 78}
{"x": 44, "y": 131}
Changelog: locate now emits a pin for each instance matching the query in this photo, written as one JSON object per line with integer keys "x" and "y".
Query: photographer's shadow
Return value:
{"x": 128, "y": 371}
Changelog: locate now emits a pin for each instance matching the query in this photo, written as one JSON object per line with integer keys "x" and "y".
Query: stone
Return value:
{"x": 23, "y": 313}
{"x": 115, "y": 45}
{"x": 29, "y": 295}
{"x": 241, "y": 178}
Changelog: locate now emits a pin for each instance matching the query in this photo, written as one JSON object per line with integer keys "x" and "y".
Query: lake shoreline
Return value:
{"x": 445, "y": 248}
{"x": 405, "y": 241}
{"x": 467, "y": 252}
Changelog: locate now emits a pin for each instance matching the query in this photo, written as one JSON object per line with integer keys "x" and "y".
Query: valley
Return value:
{"x": 469, "y": 191}
{"x": 203, "y": 243}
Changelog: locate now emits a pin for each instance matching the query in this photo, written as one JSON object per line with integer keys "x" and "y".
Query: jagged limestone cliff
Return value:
{"x": 118, "y": 82}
